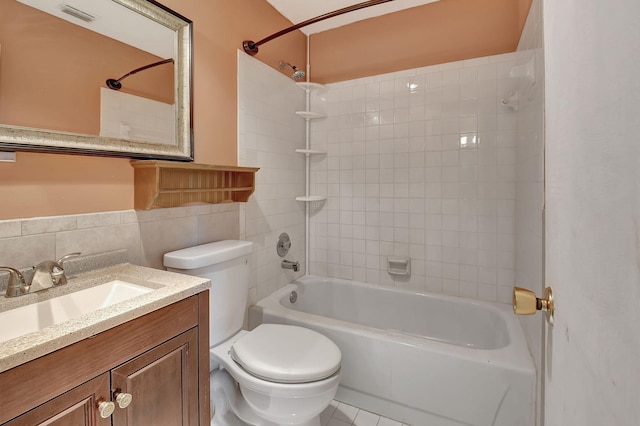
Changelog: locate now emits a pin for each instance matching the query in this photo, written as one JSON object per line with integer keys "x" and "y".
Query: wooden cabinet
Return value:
{"x": 78, "y": 407}
{"x": 161, "y": 383}
{"x": 160, "y": 359}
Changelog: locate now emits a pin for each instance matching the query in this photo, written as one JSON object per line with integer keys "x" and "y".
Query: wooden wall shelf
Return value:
{"x": 161, "y": 184}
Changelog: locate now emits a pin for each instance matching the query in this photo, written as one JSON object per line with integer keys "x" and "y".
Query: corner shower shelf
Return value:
{"x": 310, "y": 115}
{"x": 312, "y": 198}
{"x": 310, "y": 152}
{"x": 160, "y": 184}
{"x": 307, "y": 85}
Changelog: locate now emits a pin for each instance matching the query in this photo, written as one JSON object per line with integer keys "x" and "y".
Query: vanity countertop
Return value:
{"x": 168, "y": 288}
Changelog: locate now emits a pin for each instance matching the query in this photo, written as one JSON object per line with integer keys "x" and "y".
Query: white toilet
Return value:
{"x": 273, "y": 375}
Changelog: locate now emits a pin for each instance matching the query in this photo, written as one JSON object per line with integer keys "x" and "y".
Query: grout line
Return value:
{"x": 353, "y": 422}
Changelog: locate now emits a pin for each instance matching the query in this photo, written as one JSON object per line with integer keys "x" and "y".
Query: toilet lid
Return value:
{"x": 286, "y": 354}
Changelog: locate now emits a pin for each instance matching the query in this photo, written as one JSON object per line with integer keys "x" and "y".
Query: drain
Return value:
{"x": 293, "y": 296}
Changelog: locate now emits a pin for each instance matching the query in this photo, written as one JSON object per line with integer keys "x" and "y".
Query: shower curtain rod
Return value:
{"x": 114, "y": 84}
{"x": 252, "y": 47}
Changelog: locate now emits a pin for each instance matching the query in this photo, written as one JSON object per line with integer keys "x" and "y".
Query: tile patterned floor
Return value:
{"x": 340, "y": 414}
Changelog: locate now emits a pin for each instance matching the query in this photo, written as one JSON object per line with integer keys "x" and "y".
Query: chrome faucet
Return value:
{"x": 46, "y": 275}
{"x": 49, "y": 273}
{"x": 288, "y": 264}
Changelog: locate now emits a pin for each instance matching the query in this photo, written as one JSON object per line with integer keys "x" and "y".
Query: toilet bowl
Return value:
{"x": 271, "y": 376}
{"x": 282, "y": 395}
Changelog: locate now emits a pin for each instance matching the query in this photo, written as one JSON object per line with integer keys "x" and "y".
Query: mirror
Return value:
{"x": 56, "y": 59}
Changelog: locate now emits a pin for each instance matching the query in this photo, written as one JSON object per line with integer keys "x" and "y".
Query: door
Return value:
{"x": 162, "y": 384}
{"x": 78, "y": 407}
{"x": 592, "y": 360}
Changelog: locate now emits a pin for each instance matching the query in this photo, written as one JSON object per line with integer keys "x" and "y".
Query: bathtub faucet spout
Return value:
{"x": 288, "y": 264}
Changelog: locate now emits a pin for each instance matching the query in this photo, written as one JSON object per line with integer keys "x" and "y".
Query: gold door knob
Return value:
{"x": 525, "y": 302}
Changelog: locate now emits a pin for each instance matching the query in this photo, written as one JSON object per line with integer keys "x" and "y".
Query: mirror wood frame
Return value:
{"x": 16, "y": 138}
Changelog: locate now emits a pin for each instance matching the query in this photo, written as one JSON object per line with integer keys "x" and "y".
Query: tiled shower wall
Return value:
{"x": 268, "y": 135}
{"x": 123, "y": 115}
{"x": 420, "y": 164}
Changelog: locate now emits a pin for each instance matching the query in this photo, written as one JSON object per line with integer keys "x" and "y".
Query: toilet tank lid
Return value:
{"x": 207, "y": 254}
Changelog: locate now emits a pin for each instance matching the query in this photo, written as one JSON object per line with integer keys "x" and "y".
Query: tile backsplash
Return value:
{"x": 420, "y": 164}
{"x": 146, "y": 235}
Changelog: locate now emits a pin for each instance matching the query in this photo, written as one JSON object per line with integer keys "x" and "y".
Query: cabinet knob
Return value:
{"x": 106, "y": 408}
{"x": 123, "y": 399}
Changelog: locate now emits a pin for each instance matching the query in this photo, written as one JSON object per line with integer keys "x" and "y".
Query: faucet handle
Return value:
{"x": 67, "y": 256}
{"x": 17, "y": 284}
{"x": 58, "y": 274}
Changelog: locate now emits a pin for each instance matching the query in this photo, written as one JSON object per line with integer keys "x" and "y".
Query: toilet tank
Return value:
{"x": 226, "y": 264}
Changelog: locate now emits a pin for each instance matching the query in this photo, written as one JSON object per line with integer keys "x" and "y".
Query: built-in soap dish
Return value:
{"x": 399, "y": 266}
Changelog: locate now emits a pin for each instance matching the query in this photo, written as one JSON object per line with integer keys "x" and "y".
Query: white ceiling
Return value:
{"x": 300, "y": 10}
{"x": 117, "y": 22}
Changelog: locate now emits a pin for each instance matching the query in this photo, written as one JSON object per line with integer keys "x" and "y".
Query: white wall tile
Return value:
{"x": 443, "y": 192}
{"x": 274, "y": 135}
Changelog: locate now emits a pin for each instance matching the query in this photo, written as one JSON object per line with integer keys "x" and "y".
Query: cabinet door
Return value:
{"x": 163, "y": 384}
{"x": 78, "y": 407}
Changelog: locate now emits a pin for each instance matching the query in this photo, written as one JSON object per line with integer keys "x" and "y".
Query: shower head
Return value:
{"x": 297, "y": 74}
{"x": 116, "y": 85}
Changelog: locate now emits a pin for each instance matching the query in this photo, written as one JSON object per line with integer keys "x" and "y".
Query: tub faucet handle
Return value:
{"x": 283, "y": 244}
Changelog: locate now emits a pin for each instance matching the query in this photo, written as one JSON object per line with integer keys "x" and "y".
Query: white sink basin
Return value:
{"x": 36, "y": 316}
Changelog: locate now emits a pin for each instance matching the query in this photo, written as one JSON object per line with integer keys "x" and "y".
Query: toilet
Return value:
{"x": 274, "y": 375}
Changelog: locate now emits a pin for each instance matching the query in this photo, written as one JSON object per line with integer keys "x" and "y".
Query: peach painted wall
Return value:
{"x": 55, "y": 184}
{"x": 444, "y": 31}
{"x": 523, "y": 13}
{"x": 52, "y": 70}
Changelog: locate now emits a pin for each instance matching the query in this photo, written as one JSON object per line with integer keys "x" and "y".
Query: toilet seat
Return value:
{"x": 286, "y": 354}
{"x": 220, "y": 355}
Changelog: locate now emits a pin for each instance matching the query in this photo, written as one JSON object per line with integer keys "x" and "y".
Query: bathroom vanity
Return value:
{"x": 141, "y": 361}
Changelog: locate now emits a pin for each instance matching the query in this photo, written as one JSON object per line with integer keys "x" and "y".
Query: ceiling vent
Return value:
{"x": 77, "y": 13}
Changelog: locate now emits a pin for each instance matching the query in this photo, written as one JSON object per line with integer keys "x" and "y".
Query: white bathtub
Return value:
{"x": 426, "y": 360}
